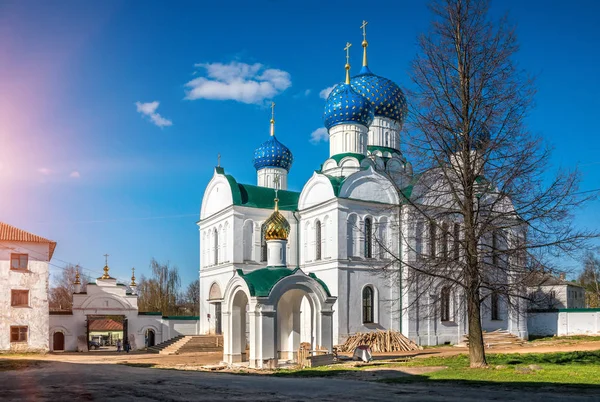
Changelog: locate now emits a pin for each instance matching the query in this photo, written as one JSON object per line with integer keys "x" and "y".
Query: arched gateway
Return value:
{"x": 268, "y": 312}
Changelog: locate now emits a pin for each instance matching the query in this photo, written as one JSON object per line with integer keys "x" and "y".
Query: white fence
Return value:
{"x": 564, "y": 322}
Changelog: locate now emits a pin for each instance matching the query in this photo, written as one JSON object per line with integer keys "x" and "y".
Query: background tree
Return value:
{"x": 590, "y": 279}
{"x": 484, "y": 202}
{"x": 160, "y": 291}
{"x": 191, "y": 298}
{"x": 60, "y": 295}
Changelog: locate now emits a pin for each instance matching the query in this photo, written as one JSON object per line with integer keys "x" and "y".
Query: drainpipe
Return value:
{"x": 297, "y": 238}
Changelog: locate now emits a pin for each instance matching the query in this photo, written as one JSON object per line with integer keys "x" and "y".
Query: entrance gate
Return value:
{"x": 58, "y": 341}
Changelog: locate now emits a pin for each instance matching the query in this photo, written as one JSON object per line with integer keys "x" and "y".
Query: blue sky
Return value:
{"x": 82, "y": 164}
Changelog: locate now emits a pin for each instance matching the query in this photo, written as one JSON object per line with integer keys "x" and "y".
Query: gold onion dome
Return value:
{"x": 276, "y": 226}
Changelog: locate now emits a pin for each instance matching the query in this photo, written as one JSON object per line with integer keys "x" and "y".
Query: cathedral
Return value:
{"x": 279, "y": 268}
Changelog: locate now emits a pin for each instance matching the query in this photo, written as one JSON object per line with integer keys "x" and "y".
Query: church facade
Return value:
{"x": 337, "y": 270}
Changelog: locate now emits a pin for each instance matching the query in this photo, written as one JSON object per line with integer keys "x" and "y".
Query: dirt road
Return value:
{"x": 55, "y": 381}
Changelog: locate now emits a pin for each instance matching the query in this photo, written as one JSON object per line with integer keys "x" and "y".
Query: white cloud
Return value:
{"x": 74, "y": 175}
{"x": 320, "y": 134}
{"x": 44, "y": 171}
{"x": 325, "y": 92}
{"x": 149, "y": 109}
{"x": 307, "y": 92}
{"x": 246, "y": 83}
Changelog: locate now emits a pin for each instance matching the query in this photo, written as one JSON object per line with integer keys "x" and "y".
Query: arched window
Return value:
{"x": 317, "y": 240}
{"x": 495, "y": 247}
{"x": 368, "y": 238}
{"x": 224, "y": 255}
{"x": 456, "y": 246}
{"x": 445, "y": 304}
{"x": 248, "y": 241}
{"x": 383, "y": 239}
{"x": 263, "y": 244}
{"x": 351, "y": 234}
{"x": 419, "y": 228}
{"x": 432, "y": 239}
{"x": 367, "y": 304}
{"x": 495, "y": 306}
{"x": 216, "y": 246}
{"x": 445, "y": 241}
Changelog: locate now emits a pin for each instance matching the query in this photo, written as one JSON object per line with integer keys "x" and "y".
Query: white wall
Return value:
{"x": 564, "y": 322}
{"x": 35, "y": 279}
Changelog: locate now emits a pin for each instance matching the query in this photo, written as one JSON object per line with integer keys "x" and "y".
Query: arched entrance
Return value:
{"x": 150, "y": 338}
{"x": 239, "y": 327}
{"x": 295, "y": 323}
{"x": 58, "y": 341}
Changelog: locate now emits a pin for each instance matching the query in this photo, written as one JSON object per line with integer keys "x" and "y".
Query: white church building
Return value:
{"x": 280, "y": 267}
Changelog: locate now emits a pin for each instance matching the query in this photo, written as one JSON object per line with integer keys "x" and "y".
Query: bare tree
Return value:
{"x": 484, "y": 215}
{"x": 590, "y": 279}
{"x": 61, "y": 292}
{"x": 159, "y": 292}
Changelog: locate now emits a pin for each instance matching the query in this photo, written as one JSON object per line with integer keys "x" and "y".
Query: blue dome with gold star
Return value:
{"x": 387, "y": 98}
{"x": 273, "y": 153}
{"x": 345, "y": 105}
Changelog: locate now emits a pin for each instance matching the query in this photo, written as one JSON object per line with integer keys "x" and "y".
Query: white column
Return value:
{"x": 266, "y": 175}
{"x": 276, "y": 250}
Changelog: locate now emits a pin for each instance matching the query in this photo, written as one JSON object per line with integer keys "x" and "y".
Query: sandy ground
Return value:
{"x": 98, "y": 376}
{"x": 55, "y": 381}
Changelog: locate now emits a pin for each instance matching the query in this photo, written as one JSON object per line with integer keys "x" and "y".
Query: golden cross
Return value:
{"x": 272, "y": 110}
{"x": 106, "y": 259}
{"x": 218, "y": 160}
{"x": 347, "y": 49}
{"x": 364, "y": 28}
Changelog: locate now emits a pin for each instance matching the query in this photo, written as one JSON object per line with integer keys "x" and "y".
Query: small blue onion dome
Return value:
{"x": 273, "y": 153}
{"x": 387, "y": 98}
{"x": 345, "y": 105}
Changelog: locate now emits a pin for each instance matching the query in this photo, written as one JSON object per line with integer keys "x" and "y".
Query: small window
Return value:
{"x": 19, "y": 261}
{"x": 368, "y": 238}
{"x": 445, "y": 304}
{"x": 495, "y": 248}
{"x": 263, "y": 243}
{"x": 367, "y": 298}
{"x": 445, "y": 241}
{"x": 432, "y": 239}
{"x": 19, "y": 298}
{"x": 495, "y": 306}
{"x": 456, "y": 246}
{"x": 18, "y": 334}
{"x": 317, "y": 240}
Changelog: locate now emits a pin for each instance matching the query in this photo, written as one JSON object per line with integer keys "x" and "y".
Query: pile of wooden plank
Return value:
{"x": 380, "y": 341}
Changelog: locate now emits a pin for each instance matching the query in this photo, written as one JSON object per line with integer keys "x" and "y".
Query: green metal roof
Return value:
{"x": 336, "y": 183}
{"x": 373, "y": 148}
{"x": 248, "y": 195}
{"x": 338, "y": 157}
{"x": 261, "y": 281}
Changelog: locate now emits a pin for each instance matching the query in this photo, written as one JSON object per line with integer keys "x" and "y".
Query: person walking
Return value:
{"x": 126, "y": 346}
{"x": 118, "y": 345}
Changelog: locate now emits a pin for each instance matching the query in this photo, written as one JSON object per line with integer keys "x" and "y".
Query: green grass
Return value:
{"x": 585, "y": 338}
{"x": 569, "y": 368}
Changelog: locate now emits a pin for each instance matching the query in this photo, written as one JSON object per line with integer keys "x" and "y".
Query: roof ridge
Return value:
{"x": 12, "y": 233}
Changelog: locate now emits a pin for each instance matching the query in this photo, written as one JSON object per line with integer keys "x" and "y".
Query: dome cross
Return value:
{"x": 364, "y": 42}
{"x": 347, "y": 49}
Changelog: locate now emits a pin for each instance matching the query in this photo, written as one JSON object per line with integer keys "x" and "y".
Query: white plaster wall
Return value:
{"x": 348, "y": 138}
{"x": 384, "y": 132}
{"x": 265, "y": 177}
{"x": 35, "y": 279}
{"x": 565, "y": 322}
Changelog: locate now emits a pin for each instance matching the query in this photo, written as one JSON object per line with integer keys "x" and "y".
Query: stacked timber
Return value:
{"x": 380, "y": 341}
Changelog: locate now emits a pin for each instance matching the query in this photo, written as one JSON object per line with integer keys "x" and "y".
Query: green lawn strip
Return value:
{"x": 584, "y": 338}
{"x": 568, "y": 368}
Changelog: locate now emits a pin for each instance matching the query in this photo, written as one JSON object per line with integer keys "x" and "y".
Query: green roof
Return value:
{"x": 373, "y": 148}
{"x": 181, "y": 317}
{"x": 336, "y": 183}
{"x": 248, "y": 195}
{"x": 261, "y": 281}
{"x": 338, "y": 157}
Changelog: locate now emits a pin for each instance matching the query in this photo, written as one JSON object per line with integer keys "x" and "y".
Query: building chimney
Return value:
{"x": 562, "y": 276}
